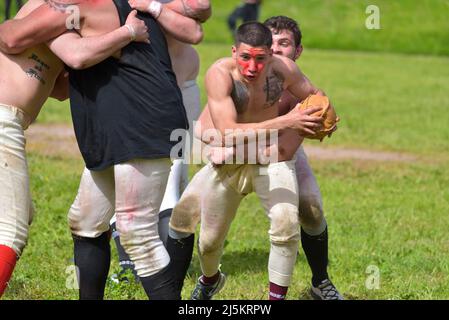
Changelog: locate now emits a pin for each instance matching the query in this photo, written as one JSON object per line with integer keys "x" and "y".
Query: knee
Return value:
{"x": 284, "y": 224}
{"x": 209, "y": 246}
{"x": 310, "y": 211}
{"x": 186, "y": 214}
{"x": 86, "y": 225}
{"x": 210, "y": 242}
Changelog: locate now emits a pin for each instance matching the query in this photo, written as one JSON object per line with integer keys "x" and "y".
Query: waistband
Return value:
{"x": 25, "y": 119}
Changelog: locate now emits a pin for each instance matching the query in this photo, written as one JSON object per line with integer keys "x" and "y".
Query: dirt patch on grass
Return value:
{"x": 58, "y": 140}
{"x": 326, "y": 153}
{"x": 55, "y": 140}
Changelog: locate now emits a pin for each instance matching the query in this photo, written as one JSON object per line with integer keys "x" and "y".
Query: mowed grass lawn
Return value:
{"x": 385, "y": 216}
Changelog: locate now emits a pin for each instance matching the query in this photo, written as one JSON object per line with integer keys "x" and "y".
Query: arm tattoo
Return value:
{"x": 273, "y": 88}
{"x": 240, "y": 96}
{"x": 61, "y": 5}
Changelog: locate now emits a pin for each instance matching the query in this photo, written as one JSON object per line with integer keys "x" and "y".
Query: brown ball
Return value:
{"x": 327, "y": 112}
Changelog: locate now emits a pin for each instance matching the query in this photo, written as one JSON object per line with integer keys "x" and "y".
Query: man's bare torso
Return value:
{"x": 258, "y": 101}
{"x": 27, "y": 79}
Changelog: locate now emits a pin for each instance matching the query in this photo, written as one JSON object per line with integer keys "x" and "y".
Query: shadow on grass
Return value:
{"x": 238, "y": 262}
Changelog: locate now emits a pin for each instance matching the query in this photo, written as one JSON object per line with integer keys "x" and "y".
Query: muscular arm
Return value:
{"x": 81, "y": 53}
{"x": 182, "y": 28}
{"x": 177, "y": 25}
{"x": 223, "y": 111}
{"x": 39, "y": 26}
{"x": 296, "y": 82}
{"x": 200, "y": 10}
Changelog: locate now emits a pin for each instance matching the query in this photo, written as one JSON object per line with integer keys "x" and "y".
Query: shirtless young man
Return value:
{"x": 314, "y": 237}
{"x": 186, "y": 65}
{"x": 243, "y": 93}
{"x": 39, "y": 73}
{"x": 125, "y": 149}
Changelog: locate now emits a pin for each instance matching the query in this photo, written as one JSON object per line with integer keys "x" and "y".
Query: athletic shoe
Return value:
{"x": 124, "y": 276}
{"x": 325, "y": 291}
{"x": 206, "y": 292}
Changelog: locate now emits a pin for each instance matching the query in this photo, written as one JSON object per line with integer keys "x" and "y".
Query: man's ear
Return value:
{"x": 298, "y": 52}
{"x": 234, "y": 52}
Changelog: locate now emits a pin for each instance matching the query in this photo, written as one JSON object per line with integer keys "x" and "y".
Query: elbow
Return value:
{"x": 76, "y": 62}
{"x": 10, "y": 46}
{"x": 202, "y": 9}
{"x": 197, "y": 37}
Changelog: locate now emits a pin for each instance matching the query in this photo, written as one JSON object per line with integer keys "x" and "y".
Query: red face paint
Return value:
{"x": 252, "y": 62}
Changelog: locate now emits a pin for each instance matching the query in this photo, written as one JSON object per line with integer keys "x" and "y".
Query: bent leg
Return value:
{"x": 278, "y": 192}
{"x": 314, "y": 236}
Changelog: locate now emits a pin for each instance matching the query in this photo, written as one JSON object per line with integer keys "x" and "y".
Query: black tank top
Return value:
{"x": 126, "y": 109}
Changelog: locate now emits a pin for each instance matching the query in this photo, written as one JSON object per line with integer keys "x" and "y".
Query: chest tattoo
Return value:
{"x": 240, "y": 96}
{"x": 274, "y": 86}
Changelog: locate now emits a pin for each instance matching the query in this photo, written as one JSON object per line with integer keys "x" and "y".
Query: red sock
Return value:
{"x": 8, "y": 259}
{"x": 210, "y": 280}
{"x": 277, "y": 292}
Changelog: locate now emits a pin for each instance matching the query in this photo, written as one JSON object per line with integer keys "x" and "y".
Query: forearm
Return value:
{"x": 38, "y": 27}
{"x": 82, "y": 53}
{"x": 200, "y": 10}
{"x": 180, "y": 27}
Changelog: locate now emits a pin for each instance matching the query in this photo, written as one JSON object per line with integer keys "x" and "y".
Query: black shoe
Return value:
{"x": 325, "y": 291}
{"x": 206, "y": 292}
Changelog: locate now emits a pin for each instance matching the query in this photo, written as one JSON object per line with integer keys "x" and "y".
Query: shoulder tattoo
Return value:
{"x": 240, "y": 96}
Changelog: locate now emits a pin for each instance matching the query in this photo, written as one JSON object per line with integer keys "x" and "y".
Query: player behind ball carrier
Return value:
{"x": 314, "y": 237}
{"x": 243, "y": 93}
{"x": 27, "y": 79}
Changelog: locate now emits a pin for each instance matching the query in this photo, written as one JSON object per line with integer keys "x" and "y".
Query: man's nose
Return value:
{"x": 276, "y": 49}
{"x": 252, "y": 66}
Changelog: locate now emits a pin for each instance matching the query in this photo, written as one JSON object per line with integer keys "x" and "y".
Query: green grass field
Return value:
{"x": 388, "y": 215}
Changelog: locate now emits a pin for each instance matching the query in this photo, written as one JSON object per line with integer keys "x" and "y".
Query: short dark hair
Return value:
{"x": 280, "y": 23}
{"x": 255, "y": 34}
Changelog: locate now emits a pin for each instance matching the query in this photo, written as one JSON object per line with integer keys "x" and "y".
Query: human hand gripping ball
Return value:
{"x": 327, "y": 112}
